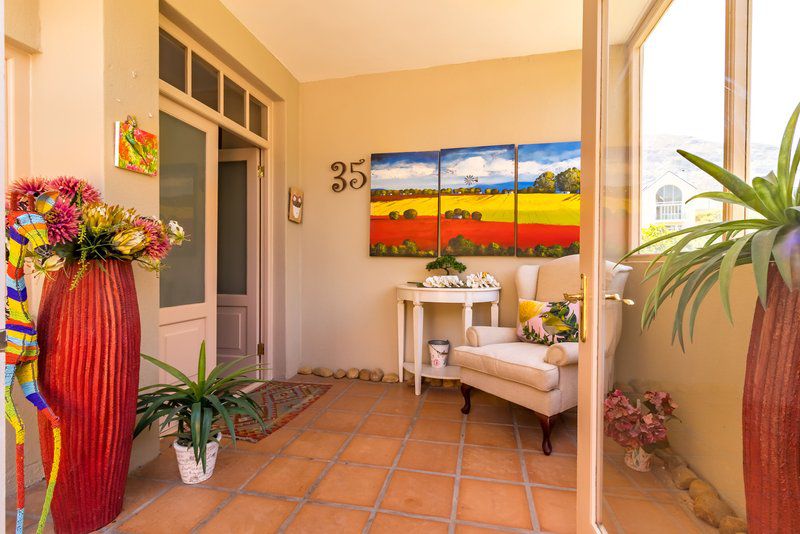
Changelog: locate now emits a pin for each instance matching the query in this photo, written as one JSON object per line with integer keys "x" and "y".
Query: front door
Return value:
{"x": 188, "y": 191}
{"x": 239, "y": 251}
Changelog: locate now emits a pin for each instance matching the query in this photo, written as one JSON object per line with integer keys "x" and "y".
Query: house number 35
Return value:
{"x": 340, "y": 182}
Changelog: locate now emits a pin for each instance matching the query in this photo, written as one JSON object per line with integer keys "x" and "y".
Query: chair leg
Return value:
{"x": 466, "y": 390}
{"x": 547, "y": 423}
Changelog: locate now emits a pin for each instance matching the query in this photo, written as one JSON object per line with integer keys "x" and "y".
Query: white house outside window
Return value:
{"x": 669, "y": 204}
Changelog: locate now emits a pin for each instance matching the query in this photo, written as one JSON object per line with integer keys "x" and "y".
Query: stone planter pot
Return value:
{"x": 638, "y": 459}
{"x": 192, "y": 470}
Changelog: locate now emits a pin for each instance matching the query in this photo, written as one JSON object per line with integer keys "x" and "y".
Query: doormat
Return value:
{"x": 280, "y": 403}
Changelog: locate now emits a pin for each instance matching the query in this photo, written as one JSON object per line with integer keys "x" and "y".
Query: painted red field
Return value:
{"x": 530, "y": 235}
{"x": 480, "y": 232}
{"x": 421, "y": 230}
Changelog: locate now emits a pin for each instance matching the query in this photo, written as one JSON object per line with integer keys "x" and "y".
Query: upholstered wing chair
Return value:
{"x": 539, "y": 377}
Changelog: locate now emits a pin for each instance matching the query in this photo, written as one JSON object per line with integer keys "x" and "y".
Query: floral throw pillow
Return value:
{"x": 547, "y": 323}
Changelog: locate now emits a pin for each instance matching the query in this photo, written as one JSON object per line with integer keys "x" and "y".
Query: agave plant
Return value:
{"x": 198, "y": 408}
{"x": 772, "y": 236}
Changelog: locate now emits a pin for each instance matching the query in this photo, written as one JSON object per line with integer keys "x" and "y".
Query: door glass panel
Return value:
{"x": 171, "y": 60}
{"x": 258, "y": 117}
{"x": 234, "y": 102}
{"x": 182, "y": 187}
{"x": 232, "y": 231}
{"x": 205, "y": 82}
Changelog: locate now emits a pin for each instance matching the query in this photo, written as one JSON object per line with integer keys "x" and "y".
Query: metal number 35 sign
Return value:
{"x": 340, "y": 182}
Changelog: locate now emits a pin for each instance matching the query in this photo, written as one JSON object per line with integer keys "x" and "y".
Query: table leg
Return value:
{"x": 418, "y": 315}
{"x": 401, "y": 337}
{"x": 467, "y": 317}
{"x": 496, "y": 313}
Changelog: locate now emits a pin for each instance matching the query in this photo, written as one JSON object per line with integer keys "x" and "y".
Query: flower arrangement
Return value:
{"x": 81, "y": 227}
{"x": 641, "y": 428}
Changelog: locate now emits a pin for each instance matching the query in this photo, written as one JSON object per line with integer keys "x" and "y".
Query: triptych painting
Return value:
{"x": 501, "y": 200}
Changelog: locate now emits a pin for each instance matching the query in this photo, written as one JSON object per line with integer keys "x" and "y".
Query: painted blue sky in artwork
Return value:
{"x": 537, "y": 158}
{"x": 490, "y": 165}
{"x": 405, "y": 170}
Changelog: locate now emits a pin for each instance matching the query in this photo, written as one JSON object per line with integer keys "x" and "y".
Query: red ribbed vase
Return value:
{"x": 89, "y": 374}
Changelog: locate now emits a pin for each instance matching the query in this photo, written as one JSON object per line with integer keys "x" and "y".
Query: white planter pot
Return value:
{"x": 191, "y": 470}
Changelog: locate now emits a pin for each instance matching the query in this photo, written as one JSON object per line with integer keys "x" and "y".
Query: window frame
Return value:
{"x": 738, "y": 15}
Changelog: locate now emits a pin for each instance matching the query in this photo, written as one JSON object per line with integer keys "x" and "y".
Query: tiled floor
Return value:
{"x": 375, "y": 458}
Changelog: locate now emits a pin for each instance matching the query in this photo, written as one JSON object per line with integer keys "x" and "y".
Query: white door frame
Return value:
{"x": 208, "y": 309}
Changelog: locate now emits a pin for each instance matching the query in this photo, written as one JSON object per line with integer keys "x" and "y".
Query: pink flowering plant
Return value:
{"x": 641, "y": 426}
{"x": 81, "y": 227}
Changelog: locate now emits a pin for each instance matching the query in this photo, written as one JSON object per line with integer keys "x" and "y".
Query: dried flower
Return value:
{"x": 158, "y": 243}
{"x": 62, "y": 222}
{"x": 103, "y": 217}
{"x": 69, "y": 187}
{"x": 51, "y": 264}
{"x": 130, "y": 241}
{"x": 631, "y": 426}
{"x": 25, "y": 187}
{"x": 661, "y": 402}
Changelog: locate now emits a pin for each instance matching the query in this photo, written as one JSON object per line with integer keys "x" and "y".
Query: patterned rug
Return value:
{"x": 280, "y": 403}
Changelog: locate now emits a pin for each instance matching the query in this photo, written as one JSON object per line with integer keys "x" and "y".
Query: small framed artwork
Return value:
{"x": 295, "y": 205}
{"x": 134, "y": 149}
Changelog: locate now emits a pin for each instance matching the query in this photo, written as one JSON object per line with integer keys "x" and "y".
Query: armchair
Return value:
{"x": 541, "y": 378}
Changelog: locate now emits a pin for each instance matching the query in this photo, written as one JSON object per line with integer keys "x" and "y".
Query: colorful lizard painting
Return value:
{"x": 26, "y": 228}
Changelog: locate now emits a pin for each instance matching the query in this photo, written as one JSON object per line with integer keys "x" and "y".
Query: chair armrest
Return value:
{"x": 562, "y": 354}
{"x": 480, "y": 336}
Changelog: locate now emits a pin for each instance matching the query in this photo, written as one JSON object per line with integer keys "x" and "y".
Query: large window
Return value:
{"x": 682, "y": 106}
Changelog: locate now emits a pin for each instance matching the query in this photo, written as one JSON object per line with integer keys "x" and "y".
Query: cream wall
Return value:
{"x": 706, "y": 381}
{"x": 348, "y": 298}
{"x": 22, "y": 23}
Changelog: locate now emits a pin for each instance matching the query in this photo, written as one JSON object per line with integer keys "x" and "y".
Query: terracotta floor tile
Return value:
{"x": 491, "y": 435}
{"x": 367, "y": 389}
{"x": 385, "y": 425}
{"x": 320, "y": 519}
{"x": 556, "y": 510}
{"x": 486, "y": 462}
{"x": 350, "y": 484}
{"x": 164, "y": 467}
{"x": 396, "y": 406}
{"x": 302, "y": 419}
{"x": 401, "y": 392}
{"x": 438, "y": 457}
{"x": 494, "y": 503}
{"x": 448, "y": 395}
{"x": 524, "y": 416}
{"x": 178, "y": 510}
{"x": 441, "y": 410}
{"x": 338, "y": 421}
{"x": 419, "y": 493}
{"x": 269, "y": 444}
{"x": 634, "y": 515}
{"x": 435, "y": 430}
{"x": 562, "y": 442}
{"x": 372, "y": 450}
{"x": 490, "y": 414}
{"x": 392, "y": 524}
{"x": 555, "y": 470}
{"x": 137, "y": 492}
{"x": 234, "y": 468}
{"x": 469, "y": 529}
{"x": 287, "y": 476}
{"x": 248, "y": 514}
{"x": 315, "y": 444}
{"x": 353, "y": 404}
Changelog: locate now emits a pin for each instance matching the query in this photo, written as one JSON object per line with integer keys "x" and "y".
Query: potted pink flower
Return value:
{"x": 641, "y": 428}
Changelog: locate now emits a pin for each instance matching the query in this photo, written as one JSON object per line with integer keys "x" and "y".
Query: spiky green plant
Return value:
{"x": 198, "y": 408}
{"x": 757, "y": 241}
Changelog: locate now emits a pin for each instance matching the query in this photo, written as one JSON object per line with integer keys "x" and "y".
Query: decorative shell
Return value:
{"x": 481, "y": 279}
{"x": 443, "y": 281}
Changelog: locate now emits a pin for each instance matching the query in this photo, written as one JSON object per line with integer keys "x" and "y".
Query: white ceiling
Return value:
{"x": 321, "y": 39}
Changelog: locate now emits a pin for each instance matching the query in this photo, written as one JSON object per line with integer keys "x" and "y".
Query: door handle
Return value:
{"x": 618, "y": 298}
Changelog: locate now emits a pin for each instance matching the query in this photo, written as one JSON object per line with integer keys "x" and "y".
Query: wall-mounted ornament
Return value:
{"x": 295, "y": 205}
{"x": 134, "y": 149}
{"x": 358, "y": 178}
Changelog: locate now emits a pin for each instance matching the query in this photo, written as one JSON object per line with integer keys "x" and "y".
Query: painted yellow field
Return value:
{"x": 536, "y": 208}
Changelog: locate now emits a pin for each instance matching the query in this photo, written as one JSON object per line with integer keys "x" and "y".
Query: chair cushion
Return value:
{"x": 519, "y": 362}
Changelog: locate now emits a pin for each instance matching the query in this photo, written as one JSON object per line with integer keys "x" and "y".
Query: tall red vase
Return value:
{"x": 89, "y": 374}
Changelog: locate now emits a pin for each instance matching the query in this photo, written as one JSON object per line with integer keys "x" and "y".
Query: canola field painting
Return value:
{"x": 404, "y": 204}
{"x": 476, "y": 213}
{"x": 548, "y": 199}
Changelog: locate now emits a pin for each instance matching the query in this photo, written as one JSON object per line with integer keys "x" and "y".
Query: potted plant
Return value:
{"x": 197, "y": 411}
{"x": 446, "y": 263}
{"x": 640, "y": 429}
{"x": 89, "y": 337}
{"x": 770, "y": 242}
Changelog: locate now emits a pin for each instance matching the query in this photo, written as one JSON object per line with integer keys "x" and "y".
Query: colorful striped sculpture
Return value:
{"x": 26, "y": 228}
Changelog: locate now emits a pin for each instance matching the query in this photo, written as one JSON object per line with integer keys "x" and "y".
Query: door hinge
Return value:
{"x": 260, "y": 349}
{"x": 261, "y": 171}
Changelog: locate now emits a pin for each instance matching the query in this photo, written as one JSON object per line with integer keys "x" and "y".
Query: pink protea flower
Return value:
{"x": 62, "y": 222}
{"x": 24, "y": 187}
{"x": 69, "y": 186}
{"x": 158, "y": 245}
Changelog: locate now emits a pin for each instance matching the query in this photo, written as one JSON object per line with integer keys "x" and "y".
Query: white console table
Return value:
{"x": 420, "y": 295}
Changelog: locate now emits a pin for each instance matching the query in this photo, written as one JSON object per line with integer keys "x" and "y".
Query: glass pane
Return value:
{"x": 171, "y": 60}
{"x": 182, "y": 188}
{"x": 258, "y": 117}
{"x": 682, "y": 107}
{"x": 205, "y": 82}
{"x": 232, "y": 232}
{"x": 234, "y": 102}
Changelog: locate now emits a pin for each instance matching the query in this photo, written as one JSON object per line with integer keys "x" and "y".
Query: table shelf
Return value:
{"x": 449, "y": 372}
